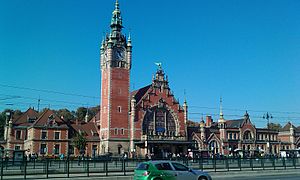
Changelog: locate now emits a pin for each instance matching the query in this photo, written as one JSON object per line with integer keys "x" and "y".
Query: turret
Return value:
{"x": 292, "y": 137}
{"x": 185, "y": 109}
{"x": 132, "y": 118}
{"x": 202, "y": 130}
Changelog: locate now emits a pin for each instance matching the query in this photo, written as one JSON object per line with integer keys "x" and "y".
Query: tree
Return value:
{"x": 274, "y": 126}
{"x": 66, "y": 114}
{"x": 3, "y": 119}
{"x": 2, "y": 125}
{"x": 79, "y": 141}
{"x": 80, "y": 113}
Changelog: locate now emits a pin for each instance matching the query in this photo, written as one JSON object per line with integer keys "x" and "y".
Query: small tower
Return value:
{"x": 202, "y": 130}
{"x": 86, "y": 118}
{"x": 185, "y": 109}
{"x": 292, "y": 137}
{"x": 222, "y": 126}
{"x": 8, "y": 130}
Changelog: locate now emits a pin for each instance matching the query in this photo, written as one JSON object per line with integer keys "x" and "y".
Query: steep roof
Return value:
{"x": 27, "y": 118}
{"x": 234, "y": 123}
{"x": 89, "y": 129}
{"x": 288, "y": 126}
{"x": 50, "y": 119}
{"x": 96, "y": 118}
{"x": 139, "y": 93}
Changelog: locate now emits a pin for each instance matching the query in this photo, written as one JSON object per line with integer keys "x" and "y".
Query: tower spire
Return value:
{"x": 221, "y": 110}
{"x": 116, "y": 20}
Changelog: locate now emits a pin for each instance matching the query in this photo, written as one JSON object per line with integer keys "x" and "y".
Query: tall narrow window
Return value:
{"x": 56, "y": 149}
{"x": 122, "y": 131}
{"x": 57, "y": 135}
{"x": 119, "y": 109}
{"x": 18, "y": 134}
{"x": 43, "y": 149}
{"x": 44, "y": 135}
{"x": 116, "y": 131}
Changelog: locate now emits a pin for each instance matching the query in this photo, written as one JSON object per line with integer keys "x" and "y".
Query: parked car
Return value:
{"x": 167, "y": 170}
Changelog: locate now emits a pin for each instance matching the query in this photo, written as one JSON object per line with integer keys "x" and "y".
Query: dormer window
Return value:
{"x": 51, "y": 120}
{"x": 31, "y": 119}
{"x": 94, "y": 133}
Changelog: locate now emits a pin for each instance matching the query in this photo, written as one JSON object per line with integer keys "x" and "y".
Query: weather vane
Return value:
{"x": 158, "y": 65}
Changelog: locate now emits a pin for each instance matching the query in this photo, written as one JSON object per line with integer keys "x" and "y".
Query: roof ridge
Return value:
{"x": 40, "y": 117}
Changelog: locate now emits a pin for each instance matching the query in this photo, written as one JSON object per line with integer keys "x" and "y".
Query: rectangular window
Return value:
{"x": 234, "y": 136}
{"x": 116, "y": 131}
{"x": 71, "y": 149}
{"x": 94, "y": 150}
{"x": 43, "y": 149}
{"x": 56, "y": 135}
{"x": 17, "y": 147}
{"x": 119, "y": 109}
{"x": 18, "y": 134}
{"x": 26, "y": 134}
{"x": 44, "y": 135}
{"x": 230, "y": 135}
{"x": 56, "y": 149}
{"x": 122, "y": 131}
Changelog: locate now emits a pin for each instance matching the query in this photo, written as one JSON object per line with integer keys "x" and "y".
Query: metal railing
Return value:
{"x": 51, "y": 168}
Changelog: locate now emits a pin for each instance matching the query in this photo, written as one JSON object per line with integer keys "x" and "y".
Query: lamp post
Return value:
{"x": 268, "y": 116}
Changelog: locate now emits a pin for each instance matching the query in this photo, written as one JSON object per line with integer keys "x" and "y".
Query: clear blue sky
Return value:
{"x": 246, "y": 51}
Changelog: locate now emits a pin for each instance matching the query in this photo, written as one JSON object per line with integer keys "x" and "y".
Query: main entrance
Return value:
{"x": 159, "y": 149}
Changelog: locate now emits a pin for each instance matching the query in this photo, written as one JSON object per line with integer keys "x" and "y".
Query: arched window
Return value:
{"x": 158, "y": 120}
{"x": 214, "y": 147}
{"x": 247, "y": 135}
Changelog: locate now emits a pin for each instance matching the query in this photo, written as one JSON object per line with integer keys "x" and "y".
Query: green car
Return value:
{"x": 167, "y": 170}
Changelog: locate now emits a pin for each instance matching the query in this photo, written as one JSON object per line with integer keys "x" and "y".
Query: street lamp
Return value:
{"x": 268, "y": 116}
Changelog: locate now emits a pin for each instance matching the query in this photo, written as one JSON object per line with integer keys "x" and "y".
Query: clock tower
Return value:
{"x": 115, "y": 62}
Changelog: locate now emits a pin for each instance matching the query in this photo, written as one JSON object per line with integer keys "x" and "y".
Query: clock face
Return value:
{"x": 119, "y": 54}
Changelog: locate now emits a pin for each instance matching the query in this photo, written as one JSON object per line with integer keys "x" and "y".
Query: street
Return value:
{"x": 237, "y": 175}
{"x": 256, "y": 177}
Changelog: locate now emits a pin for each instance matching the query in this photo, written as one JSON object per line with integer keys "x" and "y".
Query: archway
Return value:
{"x": 158, "y": 120}
{"x": 247, "y": 135}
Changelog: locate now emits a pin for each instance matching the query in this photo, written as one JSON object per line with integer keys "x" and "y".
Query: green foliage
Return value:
{"x": 79, "y": 141}
{"x": 274, "y": 126}
{"x": 3, "y": 119}
{"x": 66, "y": 114}
{"x": 2, "y": 125}
{"x": 81, "y": 112}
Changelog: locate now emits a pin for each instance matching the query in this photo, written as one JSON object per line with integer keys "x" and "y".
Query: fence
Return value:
{"x": 50, "y": 168}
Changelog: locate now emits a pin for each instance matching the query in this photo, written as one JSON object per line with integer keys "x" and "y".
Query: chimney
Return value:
{"x": 208, "y": 121}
